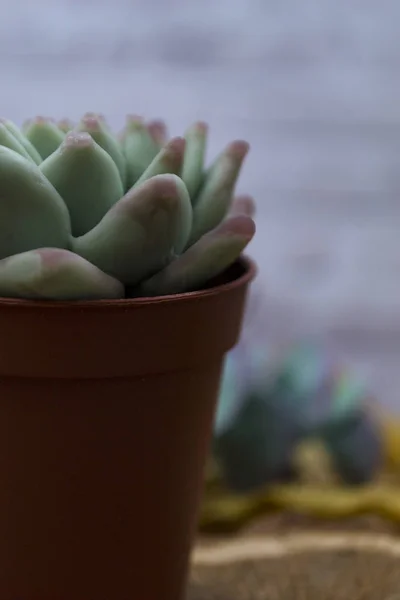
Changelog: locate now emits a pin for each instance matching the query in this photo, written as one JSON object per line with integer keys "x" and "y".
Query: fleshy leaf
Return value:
{"x": 203, "y": 261}
{"x": 27, "y": 123}
{"x": 17, "y": 133}
{"x": 193, "y": 162}
{"x": 97, "y": 128}
{"x": 142, "y": 232}
{"x": 356, "y": 447}
{"x": 32, "y": 213}
{"x": 158, "y": 132}
{"x": 215, "y": 196}
{"x": 168, "y": 160}
{"x": 8, "y": 140}
{"x": 66, "y": 125}
{"x": 243, "y": 205}
{"x": 258, "y": 446}
{"x": 139, "y": 148}
{"x": 53, "y": 274}
{"x": 86, "y": 178}
{"x": 44, "y": 135}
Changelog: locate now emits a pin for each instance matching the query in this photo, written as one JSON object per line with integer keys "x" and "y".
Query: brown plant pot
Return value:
{"x": 106, "y": 414}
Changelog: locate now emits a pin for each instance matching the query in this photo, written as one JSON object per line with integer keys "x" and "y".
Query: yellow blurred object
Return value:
{"x": 318, "y": 492}
{"x": 391, "y": 429}
{"x": 313, "y": 464}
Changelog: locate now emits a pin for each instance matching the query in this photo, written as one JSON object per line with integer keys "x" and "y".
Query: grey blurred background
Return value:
{"x": 313, "y": 85}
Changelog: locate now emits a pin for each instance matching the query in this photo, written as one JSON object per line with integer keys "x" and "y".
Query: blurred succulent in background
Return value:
{"x": 86, "y": 214}
{"x": 255, "y": 433}
{"x": 267, "y": 408}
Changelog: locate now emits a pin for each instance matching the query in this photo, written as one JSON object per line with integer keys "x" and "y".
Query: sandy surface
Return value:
{"x": 301, "y": 569}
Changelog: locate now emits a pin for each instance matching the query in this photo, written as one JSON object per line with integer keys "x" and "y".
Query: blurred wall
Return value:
{"x": 313, "y": 85}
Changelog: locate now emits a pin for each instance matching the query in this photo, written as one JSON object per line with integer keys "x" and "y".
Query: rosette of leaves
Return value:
{"x": 265, "y": 411}
{"x": 87, "y": 214}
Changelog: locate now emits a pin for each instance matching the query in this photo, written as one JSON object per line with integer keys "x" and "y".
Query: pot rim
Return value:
{"x": 250, "y": 271}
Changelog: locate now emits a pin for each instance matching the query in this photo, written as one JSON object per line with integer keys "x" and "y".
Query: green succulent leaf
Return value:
{"x": 142, "y": 233}
{"x": 86, "y": 178}
{"x": 102, "y": 135}
{"x": 243, "y": 205}
{"x": 203, "y": 261}
{"x": 158, "y": 132}
{"x": 66, "y": 125}
{"x": 215, "y": 196}
{"x": 8, "y": 140}
{"x": 25, "y": 143}
{"x": 32, "y": 213}
{"x": 54, "y": 274}
{"x": 44, "y": 135}
{"x": 168, "y": 160}
{"x": 193, "y": 162}
{"x": 27, "y": 123}
{"x": 139, "y": 146}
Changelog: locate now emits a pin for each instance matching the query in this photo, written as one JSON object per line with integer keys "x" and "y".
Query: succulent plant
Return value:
{"x": 356, "y": 446}
{"x": 265, "y": 410}
{"x": 87, "y": 214}
{"x": 255, "y": 431}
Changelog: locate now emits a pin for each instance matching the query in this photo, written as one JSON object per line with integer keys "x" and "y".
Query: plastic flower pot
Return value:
{"x": 106, "y": 415}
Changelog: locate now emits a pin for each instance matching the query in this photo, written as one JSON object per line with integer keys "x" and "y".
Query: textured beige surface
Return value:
{"x": 314, "y": 87}
{"x": 269, "y": 546}
{"x": 324, "y": 568}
